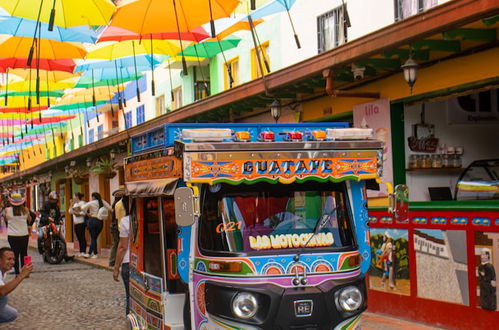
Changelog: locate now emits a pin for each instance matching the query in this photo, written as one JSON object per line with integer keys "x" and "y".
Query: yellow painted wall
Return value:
{"x": 446, "y": 74}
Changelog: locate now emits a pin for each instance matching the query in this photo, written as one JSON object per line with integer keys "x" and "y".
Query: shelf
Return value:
{"x": 452, "y": 170}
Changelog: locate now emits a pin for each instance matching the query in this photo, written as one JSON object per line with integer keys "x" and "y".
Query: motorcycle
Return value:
{"x": 52, "y": 245}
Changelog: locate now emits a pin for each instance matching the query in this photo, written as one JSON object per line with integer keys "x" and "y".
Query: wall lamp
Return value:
{"x": 410, "y": 68}
{"x": 275, "y": 109}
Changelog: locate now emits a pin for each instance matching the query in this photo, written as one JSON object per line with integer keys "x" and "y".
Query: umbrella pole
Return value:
{"x": 253, "y": 4}
{"x": 48, "y": 90}
{"x": 229, "y": 69}
{"x": 135, "y": 66}
{"x": 109, "y": 93}
{"x": 257, "y": 49}
{"x": 201, "y": 71}
{"x": 184, "y": 64}
{"x": 153, "y": 87}
{"x": 38, "y": 66}
{"x": 212, "y": 22}
{"x": 297, "y": 40}
{"x": 93, "y": 89}
{"x": 52, "y": 17}
{"x": 120, "y": 104}
{"x": 31, "y": 50}
{"x": 171, "y": 84}
{"x": 121, "y": 81}
{"x": 6, "y": 87}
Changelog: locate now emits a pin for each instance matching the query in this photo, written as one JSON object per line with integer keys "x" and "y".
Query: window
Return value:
{"x": 263, "y": 52}
{"x": 160, "y": 105}
{"x": 259, "y": 217}
{"x": 406, "y": 8}
{"x": 201, "y": 89}
{"x": 128, "y": 119}
{"x": 91, "y": 136}
{"x": 332, "y": 29}
{"x": 140, "y": 114}
{"x": 100, "y": 132}
{"x": 177, "y": 98}
{"x": 232, "y": 73}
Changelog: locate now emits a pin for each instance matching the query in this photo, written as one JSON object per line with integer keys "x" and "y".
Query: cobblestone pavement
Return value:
{"x": 67, "y": 296}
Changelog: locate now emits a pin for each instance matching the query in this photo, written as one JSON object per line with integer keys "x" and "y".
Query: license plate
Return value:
{"x": 303, "y": 308}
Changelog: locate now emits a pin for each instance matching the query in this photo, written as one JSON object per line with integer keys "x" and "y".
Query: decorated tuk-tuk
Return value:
{"x": 250, "y": 226}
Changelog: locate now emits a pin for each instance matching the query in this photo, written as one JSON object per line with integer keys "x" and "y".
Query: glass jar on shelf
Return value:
{"x": 436, "y": 161}
{"x": 426, "y": 161}
{"x": 446, "y": 161}
{"x": 413, "y": 162}
{"x": 456, "y": 161}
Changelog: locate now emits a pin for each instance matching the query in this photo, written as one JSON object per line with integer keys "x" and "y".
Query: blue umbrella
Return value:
{"x": 23, "y": 27}
{"x": 143, "y": 61}
{"x": 275, "y": 7}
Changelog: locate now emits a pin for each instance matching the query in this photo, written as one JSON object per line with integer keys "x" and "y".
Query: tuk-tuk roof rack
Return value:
{"x": 218, "y": 133}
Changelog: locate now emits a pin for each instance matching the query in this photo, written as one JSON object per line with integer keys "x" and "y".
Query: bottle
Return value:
{"x": 436, "y": 161}
{"x": 413, "y": 161}
{"x": 426, "y": 161}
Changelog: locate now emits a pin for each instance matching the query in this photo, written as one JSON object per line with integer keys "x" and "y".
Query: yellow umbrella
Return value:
{"x": 23, "y": 86}
{"x": 50, "y": 76}
{"x": 24, "y": 101}
{"x": 65, "y": 13}
{"x": 48, "y": 49}
{"x": 126, "y": 48}
{"x": 85, "y": 95}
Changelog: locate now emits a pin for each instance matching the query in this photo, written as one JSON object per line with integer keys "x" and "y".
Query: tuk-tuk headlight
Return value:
{"x": 244, "y": 305}
{"x": 349, "y": 299}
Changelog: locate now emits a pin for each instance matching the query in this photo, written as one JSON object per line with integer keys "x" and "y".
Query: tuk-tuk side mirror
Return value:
{"x": 186, "y": 206}
{"x": 399, "y": 202}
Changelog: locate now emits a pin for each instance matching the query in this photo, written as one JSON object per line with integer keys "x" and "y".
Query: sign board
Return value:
{"x": 153, "y": 169}
{"x": 376, "y": 115}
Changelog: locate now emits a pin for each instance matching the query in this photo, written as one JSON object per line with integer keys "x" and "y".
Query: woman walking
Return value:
{"x": 79, "y": 222}
{"x": 97, "y": 211}
{"x": 18, "y": 218}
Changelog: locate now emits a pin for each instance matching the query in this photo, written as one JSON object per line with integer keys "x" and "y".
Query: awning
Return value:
{"x": 151, "y": 188}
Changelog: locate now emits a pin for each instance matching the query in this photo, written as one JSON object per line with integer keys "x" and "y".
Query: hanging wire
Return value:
{"x": 184, "y": 64}
{"x": 257, "y": 50}
{"x": 153, "y": 87}
{"x": 31, "y": 50}
{"x": 171, "y": 83}
{"x": 135, "y": 66}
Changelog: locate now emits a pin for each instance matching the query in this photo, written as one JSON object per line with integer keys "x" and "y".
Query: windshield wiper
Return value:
{"x": 321, "y": 223}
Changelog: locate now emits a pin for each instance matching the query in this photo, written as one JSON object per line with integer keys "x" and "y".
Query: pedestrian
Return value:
{"x": 123, "y": 254}
{"x": 97, "y": 211}
{"x": 18, "y": 219}
{"x": 117, "y": 215}
{"x": 8, "y": 313}
{"x": 76, "y": 210}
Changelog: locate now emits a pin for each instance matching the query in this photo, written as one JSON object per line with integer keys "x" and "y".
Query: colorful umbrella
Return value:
{"x": 211, "y": 48}
{"x": 114, "y": 33}
{"x": 142, "y": 61}
{"x": 65, "y": 13}
{"x": 23, "y": 27}
{"x": 49, "y": 49}
{"x": 126, "y": 48}
{"x": 66, "y": 65}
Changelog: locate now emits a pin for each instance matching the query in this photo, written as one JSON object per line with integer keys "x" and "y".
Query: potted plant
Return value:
{"x": 78, "y": 174}
{"x": 106, "y": 167}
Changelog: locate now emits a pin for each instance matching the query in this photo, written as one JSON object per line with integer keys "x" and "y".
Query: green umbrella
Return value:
{"x": 87, "y": 82}
{"x": 78, "y": 105}
{"x": 54, "y": 93}
{"x": 211, "y": 48}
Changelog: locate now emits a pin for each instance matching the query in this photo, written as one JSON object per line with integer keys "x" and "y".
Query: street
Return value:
{"x": 67, "y": 296}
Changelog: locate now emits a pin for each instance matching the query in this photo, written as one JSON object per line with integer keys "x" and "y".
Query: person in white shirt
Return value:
{"x": 123, "y": 253}
{"x": 18, "y": 218}
{"x": 8, "y": 313}
{"x": 97, "y": 211}
{"x": 79, "y": 222}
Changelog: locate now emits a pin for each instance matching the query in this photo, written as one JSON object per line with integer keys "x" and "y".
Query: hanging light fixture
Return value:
{"x": 410, "y": 68}
{"x": 275, "y": 109}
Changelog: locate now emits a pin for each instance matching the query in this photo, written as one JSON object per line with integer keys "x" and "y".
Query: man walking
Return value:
{"x": 8, "y": 313}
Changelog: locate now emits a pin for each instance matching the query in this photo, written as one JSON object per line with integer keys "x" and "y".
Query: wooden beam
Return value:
{"x": 486, "y": 35}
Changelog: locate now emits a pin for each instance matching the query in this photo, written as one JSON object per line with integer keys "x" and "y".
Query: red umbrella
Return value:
{"x": 66, "y": 65}
{"x": 49, "y": 120}
{"x": 23, "y": 109}
{"x": 114, "y": 33}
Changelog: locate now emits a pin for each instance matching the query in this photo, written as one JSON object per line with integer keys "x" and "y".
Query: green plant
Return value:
{"x": 105, "y": 166}
{"x": 78, "y": 174}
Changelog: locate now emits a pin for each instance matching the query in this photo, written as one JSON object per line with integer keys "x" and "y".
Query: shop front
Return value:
{"x": 439, "y": 265}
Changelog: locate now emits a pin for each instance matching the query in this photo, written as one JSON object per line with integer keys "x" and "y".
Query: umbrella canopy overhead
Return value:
{"x": 66, "y": 65}
{"x": 141, "y": 61}
{"x": 23, "y": 27}
{"x": 68, "y": 13}
{"x": 27, "y": 85}
{"x": 126, "y": 48}
{"x": 86, "y": 82}
{"x": 211, "y": 48}
{"x": 50, "y": 76}
{"x": 148, "y": 16}
{"x": 114, "y": 33}
{"x": 49, "y": 49}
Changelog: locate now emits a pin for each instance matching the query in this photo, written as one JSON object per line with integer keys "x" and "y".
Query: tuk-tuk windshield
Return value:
{"x": 266, "y": 217}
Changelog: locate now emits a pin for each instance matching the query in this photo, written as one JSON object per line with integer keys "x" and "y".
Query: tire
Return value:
{"x": 55, "y": 255}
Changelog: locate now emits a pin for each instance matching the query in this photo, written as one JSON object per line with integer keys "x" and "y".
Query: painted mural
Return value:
{"x": 390, "y": 263}
{"x": 442, "y": 254}
{"x": 487, "y": 268}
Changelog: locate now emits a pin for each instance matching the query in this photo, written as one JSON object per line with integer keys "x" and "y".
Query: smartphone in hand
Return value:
{"x": 27, "y": 260}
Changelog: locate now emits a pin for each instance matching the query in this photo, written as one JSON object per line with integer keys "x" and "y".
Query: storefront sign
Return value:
{"x": 152, "y": 169}
{"x": 426, "y": 144}
{"x": 376, "y": 115}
